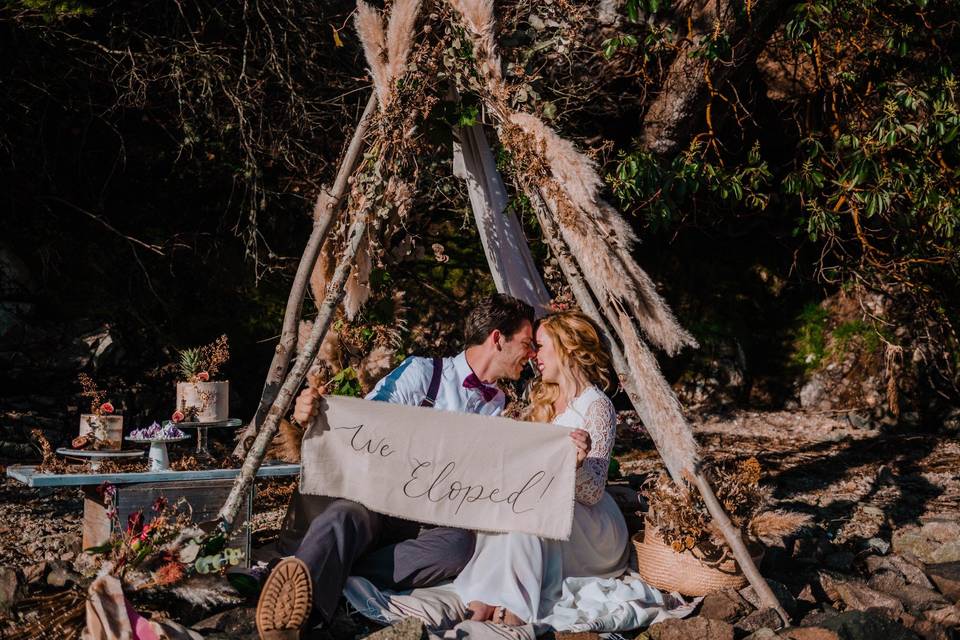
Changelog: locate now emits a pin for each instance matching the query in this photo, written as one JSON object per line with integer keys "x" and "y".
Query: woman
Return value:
{"x": 515, "y": 578}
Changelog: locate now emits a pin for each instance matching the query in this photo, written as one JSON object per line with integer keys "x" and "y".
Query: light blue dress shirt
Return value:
{"x": 408, "y": 384}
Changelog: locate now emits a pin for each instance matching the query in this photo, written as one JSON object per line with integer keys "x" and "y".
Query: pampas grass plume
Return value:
{"x": 403, "y": 16}
{"x": 207, "y": 591}
{"x": 659, "y": 408}
{"x": 322, "y": 272}
{"x": 600, "y": 238}
{"x": 285, "y": 446}
{"x": 358, "y": 283}
{"x": 478, "y": 17}
{"x": 777, "y": 525}
{"x": 575, "y": 172}
{"x": 376, "y": 363}
{"x": 370, "y": 30}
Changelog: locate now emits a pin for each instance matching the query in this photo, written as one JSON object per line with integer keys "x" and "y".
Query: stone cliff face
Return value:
{"x": 870, "y": 356}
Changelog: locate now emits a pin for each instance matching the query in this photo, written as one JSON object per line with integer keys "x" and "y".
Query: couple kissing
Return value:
{"x": 508, "y": 578}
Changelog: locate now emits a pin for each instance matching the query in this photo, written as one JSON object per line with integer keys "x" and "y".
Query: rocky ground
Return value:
{"x": 882, "y": 559}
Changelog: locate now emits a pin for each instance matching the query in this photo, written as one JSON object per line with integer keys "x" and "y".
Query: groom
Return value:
{"x": 345, "y": 538}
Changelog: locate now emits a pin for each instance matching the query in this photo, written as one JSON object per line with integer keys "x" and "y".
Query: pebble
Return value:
{"x": 878, "y": 545}
{"x": 762, "y": 618}
{"x": 697, "y": 628}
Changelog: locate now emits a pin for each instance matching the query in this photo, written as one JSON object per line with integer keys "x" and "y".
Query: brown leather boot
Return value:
{"x": 285, "y": 601}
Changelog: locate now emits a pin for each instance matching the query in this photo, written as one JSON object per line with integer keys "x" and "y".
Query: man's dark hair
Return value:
{"x": 498, "y": 311}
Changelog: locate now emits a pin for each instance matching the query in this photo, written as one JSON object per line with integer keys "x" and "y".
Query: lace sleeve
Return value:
{"x": 600, "y": 421}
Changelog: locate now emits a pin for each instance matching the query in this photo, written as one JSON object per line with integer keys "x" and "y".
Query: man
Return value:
{"x": 345, "y": 538}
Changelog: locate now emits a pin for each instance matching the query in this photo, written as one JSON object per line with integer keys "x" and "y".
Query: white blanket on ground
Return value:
{"x": 588, "y": 604}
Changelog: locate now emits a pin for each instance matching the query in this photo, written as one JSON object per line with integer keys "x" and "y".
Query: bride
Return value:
{"x": 515, "y": 578}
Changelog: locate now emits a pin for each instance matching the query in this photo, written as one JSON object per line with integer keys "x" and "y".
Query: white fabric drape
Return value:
{"x": 504, "y": 243}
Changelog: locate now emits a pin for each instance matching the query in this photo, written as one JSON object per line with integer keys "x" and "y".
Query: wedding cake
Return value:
{"x": 105, "y": 431}
{"x": 199, "y": 397}
{"x": 99, "y": 429}
{"x": 204, "y": 401}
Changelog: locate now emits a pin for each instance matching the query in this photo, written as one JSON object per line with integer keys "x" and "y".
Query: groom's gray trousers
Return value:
{"x": 339, "y": 538}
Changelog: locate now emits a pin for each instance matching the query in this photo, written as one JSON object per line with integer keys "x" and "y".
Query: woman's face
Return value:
{"x": 548, "y": 360}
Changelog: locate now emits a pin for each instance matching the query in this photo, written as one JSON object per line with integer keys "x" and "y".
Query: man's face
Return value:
{"x": 515, "y": 351}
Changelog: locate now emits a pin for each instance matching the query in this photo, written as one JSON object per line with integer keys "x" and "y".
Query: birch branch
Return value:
{"x": 231, "y": 507}
{"x": 291, "y": 316}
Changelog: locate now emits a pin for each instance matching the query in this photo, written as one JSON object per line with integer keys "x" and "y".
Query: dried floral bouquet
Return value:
{"x": 682, "y": 521}
{"x": 166, "y": 552}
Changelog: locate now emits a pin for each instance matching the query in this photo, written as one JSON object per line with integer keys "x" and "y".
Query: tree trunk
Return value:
{"x": 686, "y": 90}
{"x": 327, "y": 212}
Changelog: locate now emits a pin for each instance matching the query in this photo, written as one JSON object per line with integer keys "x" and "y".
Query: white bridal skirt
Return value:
{"x": 525, "y": 573}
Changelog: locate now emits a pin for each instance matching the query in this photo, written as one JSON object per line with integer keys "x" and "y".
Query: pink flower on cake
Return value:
{"x": 106, "y": 408}
{"x": 177, "y": 416}
{"x": 203, "y": 376}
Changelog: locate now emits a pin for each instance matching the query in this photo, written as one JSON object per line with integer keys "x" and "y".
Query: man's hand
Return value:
{"x": 581, "y": 439}
{"x": 305, "y": 407}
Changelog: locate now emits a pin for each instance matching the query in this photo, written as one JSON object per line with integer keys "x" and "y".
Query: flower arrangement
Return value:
{"x": 683, "y": 522}
{"x": 202, "y": 364}
{"x": 98, "y": 406}
{"x": 165, "y": 551}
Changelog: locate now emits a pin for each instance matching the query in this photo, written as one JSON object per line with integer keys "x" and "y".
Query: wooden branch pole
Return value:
{"x": 279, "y": 407}
{"x": 291, "y": 316}
{"x": 585, "y": 299}
{"x": 732, "y": 535}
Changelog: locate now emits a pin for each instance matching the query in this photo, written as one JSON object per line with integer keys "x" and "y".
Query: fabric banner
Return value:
{"x": 441, "y": 467}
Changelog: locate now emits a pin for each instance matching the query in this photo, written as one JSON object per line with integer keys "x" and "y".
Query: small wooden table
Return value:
{"x": 204, "y": 490}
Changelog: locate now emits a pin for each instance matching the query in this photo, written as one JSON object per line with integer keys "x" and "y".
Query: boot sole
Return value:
{"x": 285, "y": 601}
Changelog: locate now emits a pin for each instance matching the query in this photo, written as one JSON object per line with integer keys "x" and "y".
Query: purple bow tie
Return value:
{"x": 489, "y": 392}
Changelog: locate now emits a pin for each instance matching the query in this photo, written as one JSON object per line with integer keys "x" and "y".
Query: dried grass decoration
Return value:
{"x": 681, "y": 550}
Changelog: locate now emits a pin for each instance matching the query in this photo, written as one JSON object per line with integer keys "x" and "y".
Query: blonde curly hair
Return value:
{"x": 582, "y": 355}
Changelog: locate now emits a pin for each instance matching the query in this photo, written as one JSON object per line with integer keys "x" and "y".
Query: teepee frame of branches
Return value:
{"x": 590, "y": 240}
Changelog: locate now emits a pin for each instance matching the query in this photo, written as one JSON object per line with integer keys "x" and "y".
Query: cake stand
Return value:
{"x": 203, "y": 453}
{"x": 159, "y": 459}
{"x": 96, "y": 457}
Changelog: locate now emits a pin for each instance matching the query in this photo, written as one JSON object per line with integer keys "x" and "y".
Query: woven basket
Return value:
{"x": 689, "y": 572}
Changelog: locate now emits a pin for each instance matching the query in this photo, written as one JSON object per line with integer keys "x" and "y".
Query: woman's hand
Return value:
{"x": 581, "y": 439}
{"x": 305, "y": 407}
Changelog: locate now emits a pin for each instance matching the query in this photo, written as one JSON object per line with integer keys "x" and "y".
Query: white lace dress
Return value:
{"x": 525, "y": 573}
